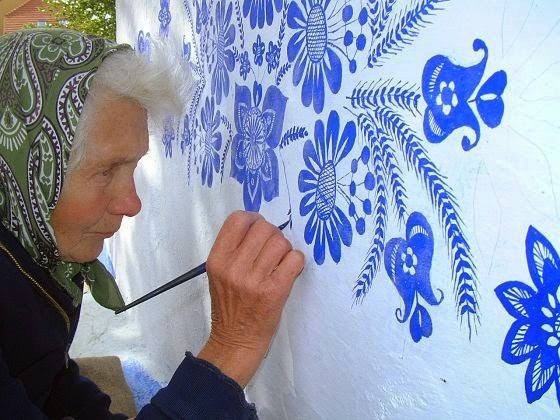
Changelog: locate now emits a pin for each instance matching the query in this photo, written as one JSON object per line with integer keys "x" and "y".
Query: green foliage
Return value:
{"x": 96, "y": 17}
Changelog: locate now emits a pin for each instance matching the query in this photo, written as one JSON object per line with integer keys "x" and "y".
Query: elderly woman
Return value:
{"x": 73, "y": 126}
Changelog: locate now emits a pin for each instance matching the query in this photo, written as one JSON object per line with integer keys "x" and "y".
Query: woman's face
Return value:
{"x": 101, "y": 190}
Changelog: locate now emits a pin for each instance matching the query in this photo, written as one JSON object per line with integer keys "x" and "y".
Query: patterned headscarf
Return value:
{"x": 45, "y": 76}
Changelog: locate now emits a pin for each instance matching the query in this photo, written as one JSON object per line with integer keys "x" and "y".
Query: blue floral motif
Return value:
{"x": 224, "y": 33}
{"x": 259, "y": 10}
{"x": 258, "y": 130}
{"x": 258, "y": 51}
{"x": 327, "y": 223}
{"x": 164, "y": 17}
{"x": 144, "y": 43}
{"x": 244, "y": 65}
{"x": 272, "y": 56}
{"x": 211, "y": 141}
{"x": 312, "y": 51}
{"x": 408, "y": 262}
{"x": 447, "y": 89}
{"x": 535, "y": 333}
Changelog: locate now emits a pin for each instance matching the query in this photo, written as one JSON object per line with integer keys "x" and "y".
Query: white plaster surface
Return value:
{"x": 332, "y": 359}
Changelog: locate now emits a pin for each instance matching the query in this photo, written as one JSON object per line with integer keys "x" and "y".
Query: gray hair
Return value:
{"x": 161, "y": 83}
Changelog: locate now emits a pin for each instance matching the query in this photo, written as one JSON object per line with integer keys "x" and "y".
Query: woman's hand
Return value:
{"x": 251, "y": 269}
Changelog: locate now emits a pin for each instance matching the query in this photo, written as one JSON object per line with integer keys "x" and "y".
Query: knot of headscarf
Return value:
{"x": 45, "y": 76}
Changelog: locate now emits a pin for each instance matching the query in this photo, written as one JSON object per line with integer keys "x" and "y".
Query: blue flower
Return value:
{"x": 258, "y": 130}
{"x": 408, "y": 262}
{"x": 259, "y": 9}
{"x": 211, "y": 141}
{"x": 447, "y": 89}
{"x": 225, "y": 60}
{"x": 327, "y": 224}
{"x": 272, "y": 56}
{"x": 314, "y": 52}
{"x": 164, "y": 17}
{"x": 258, "y": 51}
{"x": 535, "y": 333}
{"x": 245, "y": 65}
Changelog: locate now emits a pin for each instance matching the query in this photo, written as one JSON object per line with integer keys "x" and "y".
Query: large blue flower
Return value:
{"x": 447, "y": 89}
{"x": 258, "y": 129}
{"x": 408, "y": 262}
{"x": 315, "y": 54}
{"x": 535, "y": 333}
{"x": 211, "y": 141}
{"x": 259, "y": 9}
{"x": 327, "y": 224}
{"x": 224, "y": 33}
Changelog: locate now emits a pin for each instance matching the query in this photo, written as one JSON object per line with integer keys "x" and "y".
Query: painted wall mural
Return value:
{"x": 380, "y": 129}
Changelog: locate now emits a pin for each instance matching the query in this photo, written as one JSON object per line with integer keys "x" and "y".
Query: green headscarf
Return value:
{"x": 45, "y": 76}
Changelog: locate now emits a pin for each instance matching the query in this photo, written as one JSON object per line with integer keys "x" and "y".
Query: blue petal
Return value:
{"x": 542, "y": 260}
{"x": 319, "y": 248}
{"x": 344, "y": 227}
{"x": 333, "y": 70}
{"x": 307, "y": 181}
{"x": 320, "y": 144}
{"x": 310, "y": 230}
{"x": 307, "y": 204}
{"x": 310, "y": 157}
{"x": 294, "y": 46}
{"x": 520, "y": 343}
{"x": 333, "y": 239}
{"x": 318, "y": 89}
{"x": 346, "y": 142}
{"x": 539, "y": 378}
{"x": 295, "y": 17}
{"x": 515, "y": 296}
{"x": 333, "y": 128}
{"x": 270, "y": 184}
{"x": 307, "y": 86}
{"x": 252, "y": 192}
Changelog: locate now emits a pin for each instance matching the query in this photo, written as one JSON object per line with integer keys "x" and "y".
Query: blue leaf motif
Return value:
{"x": 489, "y": 100}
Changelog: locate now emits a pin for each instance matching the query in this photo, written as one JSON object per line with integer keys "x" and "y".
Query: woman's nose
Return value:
{"x": 127, "y": 203}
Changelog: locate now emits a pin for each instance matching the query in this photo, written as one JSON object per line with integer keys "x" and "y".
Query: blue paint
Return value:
{"x": 319, "y": 45}
{"x": 448, "y": 88}
{"x": 144, "y": 43}
{"x": 258, "y": 128}
{"x": 314, "y": 57}
{"x": 534, "y": 336}
{"x": 164, "y": 17}
{"x": 258, "y": 51}
{"x": 222, "y": 54}
{"x": 211, "y": 139}
{"x": 259, "y": 10}
{"x": 327, "y": 225}
{"x": 408, "y": 262}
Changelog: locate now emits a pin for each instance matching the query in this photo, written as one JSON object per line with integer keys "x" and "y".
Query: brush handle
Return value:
{"x": 195, "y": 272}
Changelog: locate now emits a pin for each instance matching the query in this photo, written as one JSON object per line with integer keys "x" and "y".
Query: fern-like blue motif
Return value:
{"x": 307, "y": 57}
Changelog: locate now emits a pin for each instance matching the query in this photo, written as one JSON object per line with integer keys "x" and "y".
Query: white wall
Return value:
{"x": 334, "y": 358}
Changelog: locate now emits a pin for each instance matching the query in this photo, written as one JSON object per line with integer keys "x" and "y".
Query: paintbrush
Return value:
{"x": 191, "y": 274}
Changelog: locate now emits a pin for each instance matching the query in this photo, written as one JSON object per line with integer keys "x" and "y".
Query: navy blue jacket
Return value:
{"x": 38, "y": 380}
